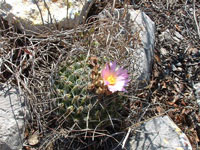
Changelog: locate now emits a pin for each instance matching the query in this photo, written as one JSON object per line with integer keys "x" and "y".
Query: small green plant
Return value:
{"x": 85, "y": 93}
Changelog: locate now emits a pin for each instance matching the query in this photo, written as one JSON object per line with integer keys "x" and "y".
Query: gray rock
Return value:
{"x": 38, "y": 15}
{"x": 197, "y": 93}
{"x": 178, "y": 64}
{"x": 179, "y": 69}
{"x": 1, "y": 49}
{"x": 160, "y": 133}
{"x": 11, "y": 119}
{"x": 4, "y": 146}
{"x": 174, "y": 67}
{"x": 163, "y": 51}
{"x": 141, "y": 53}
{"x": 166, "y": 35}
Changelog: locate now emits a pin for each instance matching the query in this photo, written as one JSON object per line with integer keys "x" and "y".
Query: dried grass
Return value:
{"x": 30, "y": 61}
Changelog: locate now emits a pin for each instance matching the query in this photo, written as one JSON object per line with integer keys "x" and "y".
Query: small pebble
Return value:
{"x": 176, "y": 79}
{"x": 163, "y": 51}
{"x": 178, "y": 64}
{"x": 174, "y": 67}
{"x": 180, "y": 69}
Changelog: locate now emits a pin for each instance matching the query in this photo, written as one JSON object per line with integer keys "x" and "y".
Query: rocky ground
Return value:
{"x": 176, "y": 64}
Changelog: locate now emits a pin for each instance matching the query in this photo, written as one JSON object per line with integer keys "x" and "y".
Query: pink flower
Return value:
{"x": 115, "y": 78}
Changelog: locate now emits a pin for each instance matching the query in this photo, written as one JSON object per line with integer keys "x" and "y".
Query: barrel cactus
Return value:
{"x": 89, "y": 93}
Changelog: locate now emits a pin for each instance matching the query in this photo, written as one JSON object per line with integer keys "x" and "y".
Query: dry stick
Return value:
{"x": 167, "y": 4}
{"x": 36, "y": 2}
{"x": 125, "y": 139}
{"x": 113, "y": 7}
{"x": 49, "y": 13}
{"x": 195, "y": 19}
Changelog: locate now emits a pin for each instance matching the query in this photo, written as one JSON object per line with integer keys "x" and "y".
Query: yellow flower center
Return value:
{"x": 111, "y": 79}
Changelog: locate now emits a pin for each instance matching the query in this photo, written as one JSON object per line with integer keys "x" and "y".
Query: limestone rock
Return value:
{"x": 141, "y": 53}
{"x": 1, "y": 46}
{"x": 197, "y": 93}
{"x": 158, "y": 134}
{"x": 11, "y": 119}
{"x": 31, "y": 15}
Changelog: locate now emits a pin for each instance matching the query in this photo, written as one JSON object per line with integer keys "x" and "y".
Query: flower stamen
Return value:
{"x": 111, "y": 79}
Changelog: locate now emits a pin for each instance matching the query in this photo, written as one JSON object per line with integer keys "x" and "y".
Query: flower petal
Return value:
{"x": 123, "y": 78}
{"x": 121, "y": 71}
{"x": 119, "y": 86}
{"x": 120, "y": 74}
{"x": 105, "y": 72}
{"x": 113, "y": 65}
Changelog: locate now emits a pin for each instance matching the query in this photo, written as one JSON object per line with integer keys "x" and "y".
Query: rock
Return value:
{"x": 197, "y": 93}
{"x": 178, "y": 64}
{"x": 31, "y": 15}
{"x": 33, "y": 139}
{"x": 179, "y": 69}
{"x": 197, "y": 89}
{"x": 142, "y": 52}
{"x": 191, "y": 11}
{"x": 11, "y": 119}
{"x": 163, "y": 51}
{"x": 166, "y": 35}
{"x": 158, "y": 134}
{"x": 1, "y": 48}
{"x": 4, "y": 146}
{"x": 174, "y": 68}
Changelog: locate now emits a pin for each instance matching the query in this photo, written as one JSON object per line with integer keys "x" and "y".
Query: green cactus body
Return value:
{"x": 80, "y": 104}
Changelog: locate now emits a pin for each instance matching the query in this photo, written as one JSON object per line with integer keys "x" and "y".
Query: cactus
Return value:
{"x": 83, "y": 98}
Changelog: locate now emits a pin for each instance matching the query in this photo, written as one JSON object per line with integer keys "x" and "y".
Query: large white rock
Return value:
{"x": 135, "y": 24}
{"x": 11, "y": 119}
{"x": 33, "y": 14}
{"x": 160, "y": 133}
